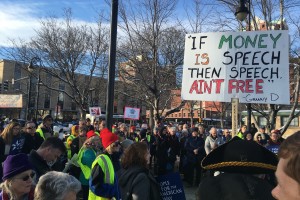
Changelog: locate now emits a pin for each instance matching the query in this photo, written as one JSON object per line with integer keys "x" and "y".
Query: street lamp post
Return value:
{"x": 36, "y": 99}
{"x": 27, "y": 115}
{"x": 241, "y": 14}
{"x": 37, "y": 95}
{"x": 112, "y": 67}
{"x": 30, "y": 70}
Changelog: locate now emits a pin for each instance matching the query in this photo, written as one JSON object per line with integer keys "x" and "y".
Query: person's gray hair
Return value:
{"x": 55, "y": 185}
{"x": 173, "y": 128}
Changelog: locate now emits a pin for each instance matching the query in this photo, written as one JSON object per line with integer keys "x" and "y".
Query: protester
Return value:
{"x": 226, "y": 135}
{"x": 11, "y": 139}
{"x": 32, "y": 139}
{"x": 244, "y": 166}
{"x": 287, "y": 173}
{"x": 242, "y": 132}
{"x": 96, "y": 126}
{"x": 273, "y": 143}
{"x": 57, "y": 186}
{"x": 86, "y": 157}
{"x": 183, "y": 156}
{"x": 265, "y": 136}
{"x": 212, "y": 141}
{"x": 194, "y": 147}
{"x": 45, "y": 129}
{"x": 45, "y": 158}
{"x": 253, "y": 129}
{"x": 202, "y": 132}
{"x": 132, "y": 133}
{"x": 103, "y": 182}
{"x": 89, "y": 125}
{"x": 72, "y": 136}
{"x": 11, "y": 142}
{"x": 259, "y": 138}
{"x": 174, "y": 149}
{"x": 79, "y": 140}
{"x": 162, "y": 147}
{"x": 102, "y": 125}
{"x": 248, "y": 136}
{"x": 151, "y": 141}
{"x": 122, "y": 131}
{"x": 17, "y": 178}
{"x": 135, "y": 180}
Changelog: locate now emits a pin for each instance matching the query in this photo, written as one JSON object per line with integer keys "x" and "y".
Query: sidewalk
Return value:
{"x": 189, "y": 191}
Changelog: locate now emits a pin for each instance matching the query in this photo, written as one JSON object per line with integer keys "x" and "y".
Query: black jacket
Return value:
{"x": 32, "y": 142}
{"x": 140, "y": 182}
{"x": 39, "y": 164}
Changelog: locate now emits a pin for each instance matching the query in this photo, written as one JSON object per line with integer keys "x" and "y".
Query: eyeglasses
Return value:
{"x": 26, "y": 178}
{"x": 32, "y": 127}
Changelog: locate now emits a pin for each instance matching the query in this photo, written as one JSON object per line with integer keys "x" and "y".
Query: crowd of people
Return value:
{"x": 95, "y": 162}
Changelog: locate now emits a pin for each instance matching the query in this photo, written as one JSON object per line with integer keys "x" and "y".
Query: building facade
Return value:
{"x": 38, "y": 100}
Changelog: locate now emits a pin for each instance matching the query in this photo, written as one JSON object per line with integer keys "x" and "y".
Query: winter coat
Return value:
{"x": 191, "y": 144}
{"x": 211, "y": 143}
{"x": 162, "y": 147}
{"x": 138, "y": 183}
{"x": 40, "y": 165}
{"x": 174, "y": 148}
{"x": 32, "y": 142}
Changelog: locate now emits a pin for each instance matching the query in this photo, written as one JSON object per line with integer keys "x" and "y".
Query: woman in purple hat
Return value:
{"x": 17, "y": 178}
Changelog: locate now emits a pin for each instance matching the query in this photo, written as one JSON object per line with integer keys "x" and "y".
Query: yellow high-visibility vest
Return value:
{"x": 40, "y": 131}
{"x": 109, "y": 174}
{"x": 86, "y": 170}
{"x": 70, "y": 138}
{"x": 148, "y": 138}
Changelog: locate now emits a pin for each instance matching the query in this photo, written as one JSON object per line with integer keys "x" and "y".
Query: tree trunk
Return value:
{"x": 82, "y": 113}
{"x": 151, "y": 118}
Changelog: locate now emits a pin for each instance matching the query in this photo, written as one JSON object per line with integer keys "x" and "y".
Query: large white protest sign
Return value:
{"x": 132, "y": 113}
{"x": 252, "y": 66}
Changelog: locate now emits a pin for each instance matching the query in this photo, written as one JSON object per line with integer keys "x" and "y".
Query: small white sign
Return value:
{"x": 132, "y": 113}
{"x": 11, "y": 101}
{"x": 95, "y": 111}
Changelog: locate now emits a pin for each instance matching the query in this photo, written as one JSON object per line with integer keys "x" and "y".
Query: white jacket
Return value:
{"x": 211, "y": 143}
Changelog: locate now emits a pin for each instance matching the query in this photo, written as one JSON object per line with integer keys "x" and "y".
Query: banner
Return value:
{"x": 252, "y": 66}
{"x": 11, "y": 101}
{"x": 95, "y": 111}
{"x": 171, "y": 187}
{"x": 132, "y": 113}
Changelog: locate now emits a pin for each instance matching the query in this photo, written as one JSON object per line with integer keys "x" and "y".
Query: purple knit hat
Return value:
{"x": 15, "y": 164}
